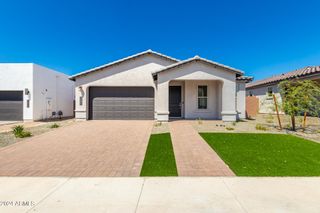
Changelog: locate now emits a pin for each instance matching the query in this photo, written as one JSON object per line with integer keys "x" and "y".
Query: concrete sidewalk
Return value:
{"x": 182, "y": 194}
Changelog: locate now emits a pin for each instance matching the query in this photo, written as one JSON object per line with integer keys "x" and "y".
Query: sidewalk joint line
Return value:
{"x": 49, "y": 193}
{"x": 235, "y": 196}
{"x": 136, "y": 209}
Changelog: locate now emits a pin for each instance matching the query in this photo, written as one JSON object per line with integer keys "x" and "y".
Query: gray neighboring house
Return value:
{"x": 265, "y": 88}
{"x": 150, "y": 85}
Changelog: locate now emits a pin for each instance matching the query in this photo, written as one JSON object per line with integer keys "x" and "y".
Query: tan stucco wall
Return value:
{"x": 221, "y": 86}
{"x": 200, "y": 72}
{"x": 191, "y": 100}
{"x": 131, "y": 73}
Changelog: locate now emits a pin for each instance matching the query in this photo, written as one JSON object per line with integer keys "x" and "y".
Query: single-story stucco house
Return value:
{"x": 32, "y": 92}
{"x": 150, "y": 85}
{"x": 265, "y": 88}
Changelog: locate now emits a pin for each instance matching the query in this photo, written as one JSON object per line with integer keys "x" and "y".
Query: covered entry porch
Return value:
{"x": 196, "y": 88}
{"x": 195, "y": 99}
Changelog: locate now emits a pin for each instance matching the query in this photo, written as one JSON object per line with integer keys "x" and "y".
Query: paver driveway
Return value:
{"x": 89, "y": 148}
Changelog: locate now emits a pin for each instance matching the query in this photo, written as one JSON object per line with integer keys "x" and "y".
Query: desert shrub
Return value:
{"x": 199, "y": 121}
{"x": 269, "y": 121}
{"x": 269, "y": 118}
{"x": 55, "y": 125}
{"x": 261, "y": 127}
{"x": 19, "y": 132}
{"x": 234, "y": 123}
{"x": 158, "y": 124}
{"x": 17, "y": 129}
{"x": 229, "y": 128}
{"x": 26, "y": 134}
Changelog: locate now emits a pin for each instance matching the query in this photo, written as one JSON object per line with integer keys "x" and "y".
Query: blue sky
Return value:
{"x": 262, "y": 38}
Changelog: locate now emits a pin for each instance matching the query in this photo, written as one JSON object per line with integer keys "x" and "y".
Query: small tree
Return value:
{"x": 299, "y": 96}
{"x": 290, "y": 100}
{"x": 310, "y": 98}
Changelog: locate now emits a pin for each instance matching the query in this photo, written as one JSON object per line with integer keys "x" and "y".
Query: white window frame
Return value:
{"x": 202, "y": 97}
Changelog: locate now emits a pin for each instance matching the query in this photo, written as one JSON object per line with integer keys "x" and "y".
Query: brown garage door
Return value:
{"x": 11, "y": 105}
{"x": 121, "y": 103}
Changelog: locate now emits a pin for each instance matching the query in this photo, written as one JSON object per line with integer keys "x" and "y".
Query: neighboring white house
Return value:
{"x": 265, "y": 88}
{"x": 150, "y": 85}
{"x": 32, "y": 92}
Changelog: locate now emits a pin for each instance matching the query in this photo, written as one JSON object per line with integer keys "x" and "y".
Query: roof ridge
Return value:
{"x": 122, "y": 60}
{"x": 196, "y": 57}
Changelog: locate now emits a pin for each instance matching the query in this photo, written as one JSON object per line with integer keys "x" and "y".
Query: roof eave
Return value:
{"x": 73, "y": 77}
{"x": 197, "y": 58}
{"x": 245, "y": 79}
{"x": 296, "y": 74}
{"x": 277, "y": 81}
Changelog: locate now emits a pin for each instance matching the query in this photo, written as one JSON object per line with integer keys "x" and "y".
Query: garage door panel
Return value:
{"x": 117, "y": 103}
{"x": 119, "y": 115}
{"x": 124, "y": 106}
{"x": 11, "y": 105}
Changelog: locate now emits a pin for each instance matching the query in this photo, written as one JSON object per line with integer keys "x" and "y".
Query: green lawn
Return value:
{"x": 159, "y": 159}
{"x": 266, "y": 154}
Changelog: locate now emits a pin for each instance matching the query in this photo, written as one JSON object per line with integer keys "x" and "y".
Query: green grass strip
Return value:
{"x": 159, "y": 159}
{"x": 266, "y": 154}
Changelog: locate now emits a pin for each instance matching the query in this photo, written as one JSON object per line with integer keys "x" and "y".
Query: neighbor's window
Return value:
{"x": 270, "y": 92}
{"x": 80, "y": 101}
{"x": 202, "y": 97}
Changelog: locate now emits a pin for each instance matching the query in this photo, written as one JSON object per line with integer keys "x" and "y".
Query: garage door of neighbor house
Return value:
{"x": 11, "y": 105}
{"x": 121, "y": 103}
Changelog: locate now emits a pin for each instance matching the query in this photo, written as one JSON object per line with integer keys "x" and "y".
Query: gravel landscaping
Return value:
{"x": 160, "y": 127}
{"x": 36, "y": 128}
{"x": 268, "y": 122}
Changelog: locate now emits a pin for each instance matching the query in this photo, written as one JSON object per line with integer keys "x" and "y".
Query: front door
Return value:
{"x": 175, "y": 101}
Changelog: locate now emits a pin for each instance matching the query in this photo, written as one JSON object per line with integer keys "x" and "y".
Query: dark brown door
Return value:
{"x": 175, "y": 101}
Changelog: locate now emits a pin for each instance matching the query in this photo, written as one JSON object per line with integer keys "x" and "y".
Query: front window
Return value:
{"x": 202, "y": 97}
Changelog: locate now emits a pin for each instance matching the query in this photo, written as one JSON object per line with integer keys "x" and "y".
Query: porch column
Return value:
{"x": 241, "y": 99}
{"x": 163, "y": 101}
{"x": 229, "y": 101}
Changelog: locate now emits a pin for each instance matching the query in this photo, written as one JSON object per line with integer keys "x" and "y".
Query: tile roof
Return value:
{"x": 197, "y": 58}
{"x": 309, "y": 70}
{"x": 247, "y": 79}
{"x": 122, "y": 60}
